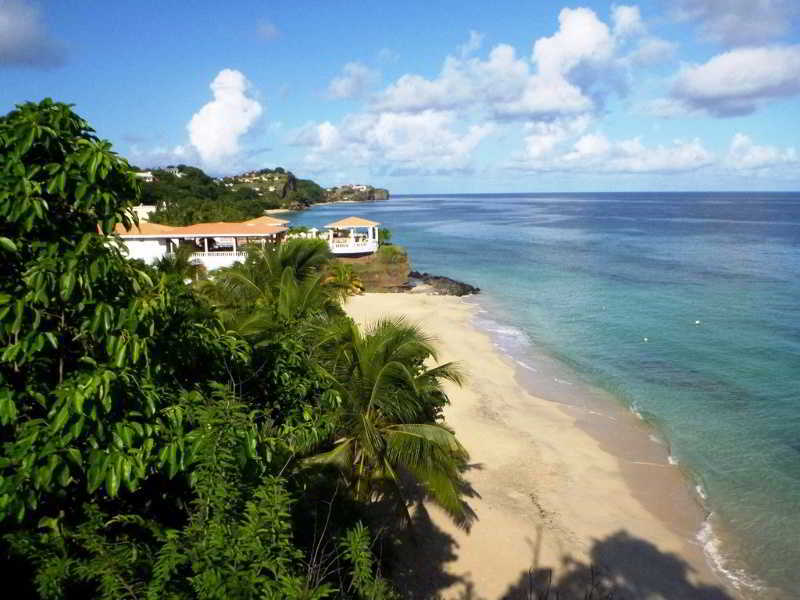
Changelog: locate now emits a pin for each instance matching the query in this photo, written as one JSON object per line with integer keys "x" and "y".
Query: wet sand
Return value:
{"x": 557, "y": 488}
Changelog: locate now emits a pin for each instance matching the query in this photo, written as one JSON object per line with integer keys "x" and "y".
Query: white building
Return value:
{"x": 352, "y": 236}
{"x": 143, "y": 211}
{"x": 146, "y": 176}
{"x": 215, "y": 245}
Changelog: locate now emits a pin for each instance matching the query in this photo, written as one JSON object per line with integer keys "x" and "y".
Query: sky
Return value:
{"x": 429, "y": 97}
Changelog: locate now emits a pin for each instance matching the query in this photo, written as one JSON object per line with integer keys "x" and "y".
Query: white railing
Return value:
{"x": 351, "y": 244}
{"x": 215, "y": 254}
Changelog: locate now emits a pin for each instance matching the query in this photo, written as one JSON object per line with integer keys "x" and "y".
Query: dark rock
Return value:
{"x": 444, "y": 285}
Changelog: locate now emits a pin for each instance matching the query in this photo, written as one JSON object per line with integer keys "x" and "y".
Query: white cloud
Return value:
{"x": 472, "y": 45}
{"x": 543, "y": 137}
{"x": 668, "y": 108}
{"x": 24, "y": 40}
{"x": 267, "y": 30}
{"x": 737, "y": 81}
{"x": 567, "y": 73}
{"x": 744, "y": 154}
{"x": 739, "y": 22}
{"x": 581, "y": 38}
{"x": 353, "y": 82}
{"x": 216, "y": 128}
{"x": 161, "y": 156}
{"x": 426, "y": 141}
{"x": 555, "y": 148}
{"x": 651, "y": 50}
{"x": 627, "y": 21}
{"x": 412, "y": 92}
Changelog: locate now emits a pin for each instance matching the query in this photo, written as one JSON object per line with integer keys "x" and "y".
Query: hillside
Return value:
{"x": 185, "y": 195}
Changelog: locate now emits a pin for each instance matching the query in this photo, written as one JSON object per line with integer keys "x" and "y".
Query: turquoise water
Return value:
{"x": 683, "y": 306}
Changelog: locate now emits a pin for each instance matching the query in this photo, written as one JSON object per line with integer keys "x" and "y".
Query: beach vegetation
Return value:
{"x": 392, "y": 254}
{"x": 389, "y": 421}
{"x": 164, "y": 435}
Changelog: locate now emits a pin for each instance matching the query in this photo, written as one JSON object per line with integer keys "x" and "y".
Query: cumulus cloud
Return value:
{"x": 267, "y": 30}
{"x": 738, "y": 81}
{"x": 353, "y": 81}
{"x": 739, "y": 22}
{"x": 745, "y": 154}
{"x": 433, "y": 124}
{"x": 627, "y": 20}
{"x": 651, "y": 50}
{"x": 215, "y": 130}
{"x": 472, "y": 45}
{"x": 566, "y": 146}
{"x": 567, "y": 73}
{"x": 24, "y": 39}
{"x": 427, "y": 141}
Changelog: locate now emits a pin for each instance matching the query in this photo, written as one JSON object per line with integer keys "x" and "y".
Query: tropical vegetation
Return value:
{"x": 167, "y": 433}
{"x": 191, "y": 196}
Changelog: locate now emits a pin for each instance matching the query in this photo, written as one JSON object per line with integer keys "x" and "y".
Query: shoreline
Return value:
{"x": 560, "y": 485}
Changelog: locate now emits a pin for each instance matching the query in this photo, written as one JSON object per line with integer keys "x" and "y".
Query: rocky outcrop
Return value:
{"x": 443, "y": 285}
{"x": 348, "y": 193}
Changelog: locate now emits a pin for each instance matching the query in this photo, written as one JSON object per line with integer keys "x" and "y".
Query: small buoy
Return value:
{"x": 697, "y": 322}
{"x": 645, "y": 339}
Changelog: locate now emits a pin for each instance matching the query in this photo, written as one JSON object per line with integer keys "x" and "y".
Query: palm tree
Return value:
{"x": 389, "y": 424}
{"x": 342, "y": 277}
{"x": 181, "y": 265}
{"x": 276, "y": 283}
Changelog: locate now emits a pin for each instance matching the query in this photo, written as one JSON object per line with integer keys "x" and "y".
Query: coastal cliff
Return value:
{"x": 356, "y": 193}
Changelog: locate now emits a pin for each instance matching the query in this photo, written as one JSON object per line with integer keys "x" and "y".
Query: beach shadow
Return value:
{"x": 419, "y": 564}
{"x": 621, "y": 567}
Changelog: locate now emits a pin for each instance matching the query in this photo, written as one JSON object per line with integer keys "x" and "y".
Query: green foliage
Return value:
{"x": 197, "y": 198}
{"x": 180, "y": 264}
{"x": 384, "y": 236}
{"x": 345, "y": 279}
{"x": 390, "y": 254}
{"x": 82, "y": 403}
{"x": 154, "y": 435}
{"x": 389, "y": 420}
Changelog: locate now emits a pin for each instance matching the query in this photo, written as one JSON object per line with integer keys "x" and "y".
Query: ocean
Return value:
{"x": 682, "y": 307}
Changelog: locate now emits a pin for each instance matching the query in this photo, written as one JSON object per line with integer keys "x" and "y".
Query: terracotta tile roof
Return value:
{"x": 255, "y": 227}
{"x": 265, "y": 220}
{"x": 144, "y": 228}
{"x": 222, "y": 229}
{"x": 353, "y": 222}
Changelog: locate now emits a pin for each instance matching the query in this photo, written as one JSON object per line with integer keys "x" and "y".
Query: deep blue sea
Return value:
{"x": 682, "y": 306}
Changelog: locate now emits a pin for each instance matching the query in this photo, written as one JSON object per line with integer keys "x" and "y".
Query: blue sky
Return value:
{"x": 426, "y": 97}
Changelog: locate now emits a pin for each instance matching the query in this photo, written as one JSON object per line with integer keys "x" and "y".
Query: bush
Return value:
{"x": 392, "y": 254}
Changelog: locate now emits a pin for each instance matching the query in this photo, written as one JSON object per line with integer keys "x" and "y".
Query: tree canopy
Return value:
{"x": 158, "y": 438}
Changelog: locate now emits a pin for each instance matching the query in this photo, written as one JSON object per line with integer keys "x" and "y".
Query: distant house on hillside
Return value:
{"x": 146, "y": 176}
{"x": 174, "y": 171}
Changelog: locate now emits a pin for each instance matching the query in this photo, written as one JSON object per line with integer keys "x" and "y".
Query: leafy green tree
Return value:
{"x": 276, "y": 284}
{"x": 389, "y": 422}
{"x": 93, "y": 347}
{"x": 181, "y": 265}
{"x": 343, "y": 278}
{"x": 129, "y": 465}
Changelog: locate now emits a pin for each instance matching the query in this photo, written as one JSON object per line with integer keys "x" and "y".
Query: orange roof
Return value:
{"x": 222, "y": 229}
{"x": 353, "y": 222}
{"x": 265, "y": 220}
{"x": 144, "y": 228}
{"x": 255, "y": 227}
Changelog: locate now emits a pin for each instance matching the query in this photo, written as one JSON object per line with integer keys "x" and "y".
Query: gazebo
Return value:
{"x": 352, "y": 236}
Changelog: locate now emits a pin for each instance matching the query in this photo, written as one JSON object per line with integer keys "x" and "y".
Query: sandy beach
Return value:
{"x": 556, "y": 489}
